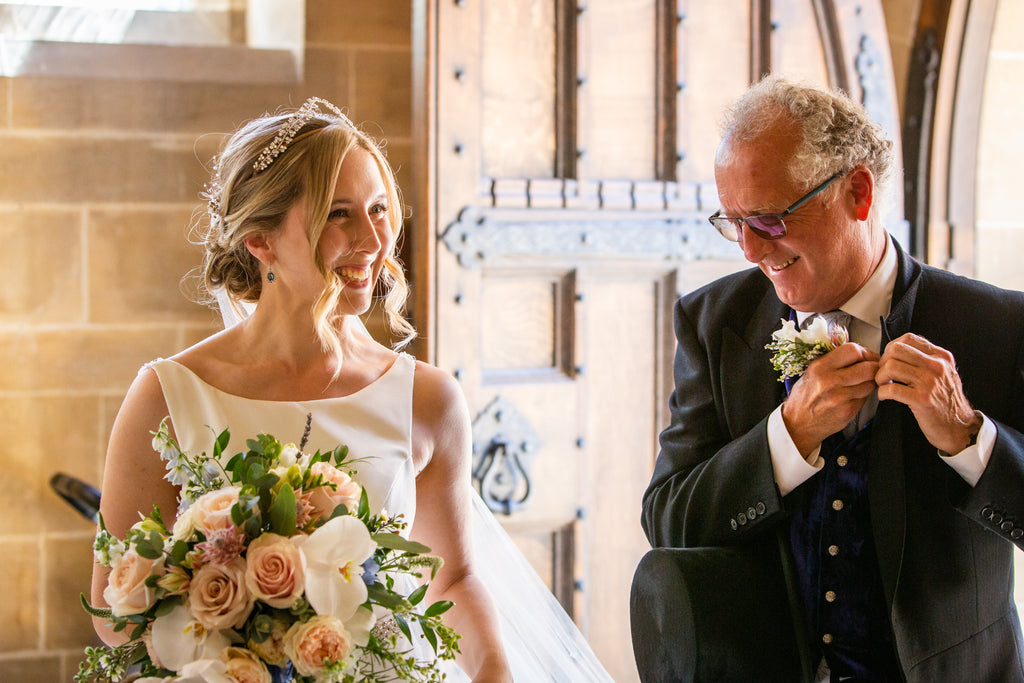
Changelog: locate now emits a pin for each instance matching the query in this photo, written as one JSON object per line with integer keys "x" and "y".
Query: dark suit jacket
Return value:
{"x": 944, "y": 548}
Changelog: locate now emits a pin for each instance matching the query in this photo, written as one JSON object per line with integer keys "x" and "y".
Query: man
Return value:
{"x": 887, "y": 487}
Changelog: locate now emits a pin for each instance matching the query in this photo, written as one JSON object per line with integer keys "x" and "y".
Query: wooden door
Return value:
{"x": 563, "y": 155}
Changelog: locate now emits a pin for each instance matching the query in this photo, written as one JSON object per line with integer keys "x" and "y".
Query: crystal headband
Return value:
{"x": 296, "y": 121}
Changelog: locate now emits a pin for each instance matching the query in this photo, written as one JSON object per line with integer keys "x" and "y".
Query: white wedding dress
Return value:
{"x": 375, "y": 423}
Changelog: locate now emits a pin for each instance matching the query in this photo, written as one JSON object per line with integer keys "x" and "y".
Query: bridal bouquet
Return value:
{"x": 274, "y": 570}
{"x": 794, "y": 349}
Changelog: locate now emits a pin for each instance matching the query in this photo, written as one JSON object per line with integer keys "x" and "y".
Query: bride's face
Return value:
{"x": 358, "y": 234}
{"x": 354, "y": 242}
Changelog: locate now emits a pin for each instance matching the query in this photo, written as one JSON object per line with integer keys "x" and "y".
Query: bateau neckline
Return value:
{"x": 400, "y": 358}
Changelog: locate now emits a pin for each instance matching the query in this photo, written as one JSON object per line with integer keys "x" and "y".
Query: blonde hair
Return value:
{"x": 244, "y": 200}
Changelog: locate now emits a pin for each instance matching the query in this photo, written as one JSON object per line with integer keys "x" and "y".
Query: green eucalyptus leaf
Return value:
{"x": 282, "y": 511}
{"x": 339, "y": 511}
{"x": 221, "y": 443}
{"x": 267, "y": 481}
{"x": 438, "y": 608}
{"x": 253, "y": 527}
{"x": 398, "y": 542}
{"x": 417, "y": 595}
{"x": 388, "y": 599}
{"x": 403, "y": 625}
{"x": 145, "y": 549}
{"x": 428, "y": 633}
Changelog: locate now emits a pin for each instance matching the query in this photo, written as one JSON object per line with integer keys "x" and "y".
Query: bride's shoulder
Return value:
{"x": 213, "y": 350}
{"x": 438, "y": 402}
{"x": 433, "y": 383}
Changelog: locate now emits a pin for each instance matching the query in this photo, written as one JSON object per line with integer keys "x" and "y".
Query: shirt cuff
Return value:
{"x": 970, "y": 463}
{"x": 790, "y": 468}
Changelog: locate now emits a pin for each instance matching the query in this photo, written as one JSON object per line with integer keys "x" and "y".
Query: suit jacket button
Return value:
{"x": 996, "y": 518}
{"x": 986, "y": 512}
{"x": 760, "y": 508}
{"x": 1006, "y": 526}
{"x": 741, "y": 518}
{"x": 751, "y": 513}
{"x": 733, "y": 524}
{"x": 1017, "y": 533}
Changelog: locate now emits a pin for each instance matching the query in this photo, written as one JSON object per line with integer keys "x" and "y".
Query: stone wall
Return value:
{"x": 99, "y": 179}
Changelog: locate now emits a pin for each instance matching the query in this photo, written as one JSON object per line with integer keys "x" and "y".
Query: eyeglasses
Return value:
{"x": 767, "y": 226}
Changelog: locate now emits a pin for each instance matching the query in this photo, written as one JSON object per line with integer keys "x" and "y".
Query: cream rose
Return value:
{"x": 218, "y": 596}
{"x": 212, "y": 511}
{"x": 245, "y": 667}
{"x": 126, "y": 591}
{"x": 325, "y": 498}
{"x": 275, "y": 570}
{"x": 184, "y": 525}
{"x": 314, "y": 644}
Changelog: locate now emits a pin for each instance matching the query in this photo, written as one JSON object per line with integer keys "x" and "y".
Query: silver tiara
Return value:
{"x": 296, "y": 121}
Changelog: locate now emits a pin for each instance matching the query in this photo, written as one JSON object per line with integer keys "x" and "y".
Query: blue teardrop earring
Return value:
{"x": 270, "y": 275}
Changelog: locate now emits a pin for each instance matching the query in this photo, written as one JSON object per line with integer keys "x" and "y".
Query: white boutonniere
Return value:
{"x": 794, "y": 349}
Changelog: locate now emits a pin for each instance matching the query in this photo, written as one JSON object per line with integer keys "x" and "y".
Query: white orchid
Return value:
{"x": 178, "y": 638}
{"x": 335, "y": 554}
{"x": 205, "y": 671}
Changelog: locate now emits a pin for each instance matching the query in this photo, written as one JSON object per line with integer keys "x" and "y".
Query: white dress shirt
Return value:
{"x": 867, "y": 306}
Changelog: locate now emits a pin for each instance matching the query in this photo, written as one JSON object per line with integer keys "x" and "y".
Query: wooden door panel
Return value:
{"x": 624, "y": 335}
{"x": 526, "y": 325}
{"x": 714, "y": 44}
{"x": 617, "y": 93}
{"x": 797, "y": 49}
{"x": 518, "y": 89}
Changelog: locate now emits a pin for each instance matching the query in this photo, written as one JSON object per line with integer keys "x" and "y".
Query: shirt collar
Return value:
{"x": 872, "y": 301}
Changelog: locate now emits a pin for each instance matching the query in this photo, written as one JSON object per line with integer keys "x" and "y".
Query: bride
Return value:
{"x": 304, "y": 214}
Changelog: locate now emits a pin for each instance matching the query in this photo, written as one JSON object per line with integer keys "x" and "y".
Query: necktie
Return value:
{"x": 835, "y": 318}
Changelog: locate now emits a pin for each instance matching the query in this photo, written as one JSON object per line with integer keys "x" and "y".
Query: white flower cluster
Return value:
{"x": 794, "y": 349}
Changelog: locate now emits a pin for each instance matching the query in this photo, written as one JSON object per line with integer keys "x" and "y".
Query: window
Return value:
{"x": 222, "y": 39}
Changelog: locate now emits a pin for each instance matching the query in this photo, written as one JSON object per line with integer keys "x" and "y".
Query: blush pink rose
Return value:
{"x": 274, "y": 572}
{"x": 245, "y": 667}
{"x": 325, "y": 498}
{"x": 314, "y": 644}
{"x": 212, "y": 511}
{"x": 218, "y": 597}
{"x": 126, "y": 591}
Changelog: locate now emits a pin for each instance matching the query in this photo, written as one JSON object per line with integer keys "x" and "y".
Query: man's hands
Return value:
{"x": 912, "y": 370}
{"x": 923, "y": 376}
{"x": 829, "y": 395}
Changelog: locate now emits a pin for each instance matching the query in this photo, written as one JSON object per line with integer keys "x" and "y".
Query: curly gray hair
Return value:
{"x": 837, "y": 132}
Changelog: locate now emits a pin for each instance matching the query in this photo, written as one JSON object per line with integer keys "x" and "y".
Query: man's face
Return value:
{"x": 827, "y": 253}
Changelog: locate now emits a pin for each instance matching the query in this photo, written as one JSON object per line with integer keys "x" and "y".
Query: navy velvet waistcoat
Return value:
{"x": 834, "y": 552}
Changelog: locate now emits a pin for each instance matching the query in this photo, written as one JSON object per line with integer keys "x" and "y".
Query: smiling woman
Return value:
{"x": 303, "y": 215}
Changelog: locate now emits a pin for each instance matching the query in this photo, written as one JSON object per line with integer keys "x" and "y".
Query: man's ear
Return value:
{"x": 259, "y": 246}
{"x": 862, "y": 190}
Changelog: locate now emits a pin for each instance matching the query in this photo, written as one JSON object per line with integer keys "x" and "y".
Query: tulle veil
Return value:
{"x": 542, "y": 642}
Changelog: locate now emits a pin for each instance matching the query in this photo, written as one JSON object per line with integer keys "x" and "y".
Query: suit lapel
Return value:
{"x": 750, "y": 386}
{"x": 886, "y": 482}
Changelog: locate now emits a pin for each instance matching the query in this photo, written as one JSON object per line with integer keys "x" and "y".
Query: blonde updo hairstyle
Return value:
{"x": 244, "y": 201}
